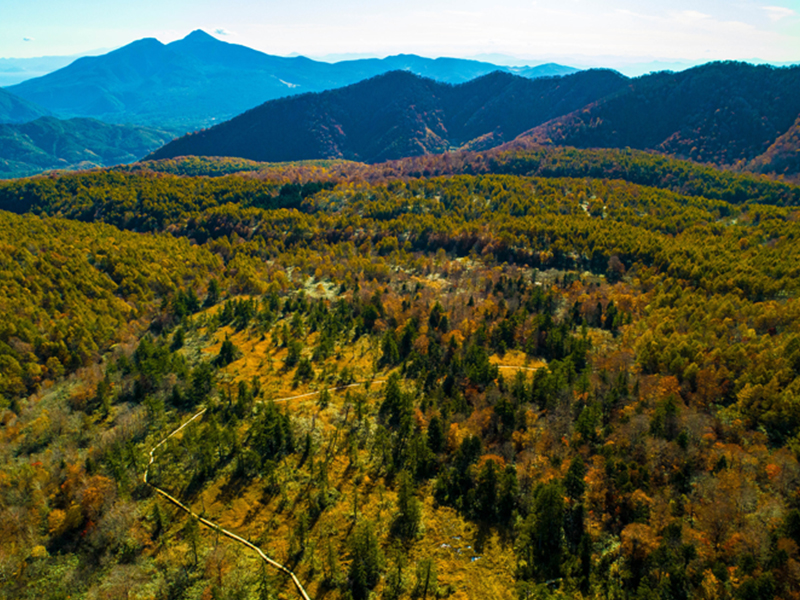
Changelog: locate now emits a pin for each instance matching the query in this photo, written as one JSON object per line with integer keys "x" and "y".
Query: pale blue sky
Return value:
{"x": 575, "y": 30}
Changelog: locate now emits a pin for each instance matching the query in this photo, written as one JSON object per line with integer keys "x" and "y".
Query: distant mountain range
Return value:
{"x": 395, "y": 115}
{"x": 17, "y": 70}
{"x": 50, "y": 143}
{"x": 734, "y": 115}
{"x": 199, "y": 80}
{"x": 728, "y": 114}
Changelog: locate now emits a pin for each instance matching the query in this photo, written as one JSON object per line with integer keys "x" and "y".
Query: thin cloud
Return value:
{"x": 630, "y": 13}
{"x": 222, "y": 31}
{"x": 692, "y": 16}
{"x": 776, "y": 13}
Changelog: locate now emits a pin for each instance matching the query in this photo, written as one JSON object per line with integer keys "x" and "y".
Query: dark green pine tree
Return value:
{"x": 409, "y": 510}
{"x": 366, "y": 560}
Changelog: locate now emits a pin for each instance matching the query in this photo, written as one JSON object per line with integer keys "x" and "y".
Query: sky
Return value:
{"x": 578, "y": 32}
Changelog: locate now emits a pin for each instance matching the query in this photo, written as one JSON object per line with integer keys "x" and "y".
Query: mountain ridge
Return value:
{"x": 394, "y": 115}
{"x": 198, "y": 80}
{"x": 727, "y": 114}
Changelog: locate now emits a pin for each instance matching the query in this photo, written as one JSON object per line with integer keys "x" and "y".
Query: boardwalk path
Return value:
{"x": 301, "y": 590}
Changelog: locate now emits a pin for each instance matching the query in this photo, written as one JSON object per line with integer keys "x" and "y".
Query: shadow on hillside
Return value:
{"x": 232, "y": 488}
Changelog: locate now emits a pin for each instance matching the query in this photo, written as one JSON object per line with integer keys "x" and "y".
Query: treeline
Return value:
{"x": 145, "y": 202}
{"x": 650, "y": 169}
{"x": 635, "y": 166}
{"x": 138, "y": 198}
{"x": 194, "y": 166}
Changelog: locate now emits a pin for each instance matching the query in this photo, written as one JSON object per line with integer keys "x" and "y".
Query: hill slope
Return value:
{"x": 395, "y": 115}
{"x": 198, "y": 80}
{"x": 722, "y": 113}
{"x": 782, "y": 158}
{"x": 17, "y": 70}
{"x": 49, "y": 143}
{"x": 16, "y": 110}
{"x": 727, "y": 114}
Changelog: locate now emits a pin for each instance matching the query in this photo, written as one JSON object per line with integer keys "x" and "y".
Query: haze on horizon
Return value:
{"x": 582, "y": 33}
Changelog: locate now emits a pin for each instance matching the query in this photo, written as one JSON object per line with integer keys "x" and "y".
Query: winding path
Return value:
{"x": 219, "y": 528}
{"x": 301, "y": 590}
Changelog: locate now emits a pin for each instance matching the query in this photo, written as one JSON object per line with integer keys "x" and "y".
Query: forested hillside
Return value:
{"x": 48, "y": 143}
{"x": 732, "y": 115}
{"x": 552, "y": 373}
{"x": 17, "y": 110}
{"x": 725, "y": 113}
{"x": 396, "y": 115}
{"x": 782, "y": 157}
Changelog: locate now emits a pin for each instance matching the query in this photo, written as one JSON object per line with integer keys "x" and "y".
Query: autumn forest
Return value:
{"x": 526, "y": 373}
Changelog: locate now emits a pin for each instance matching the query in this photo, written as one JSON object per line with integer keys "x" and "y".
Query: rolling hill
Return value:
{"x": 50, "y": 143}
{"x": 396, "y": 115}
{"x": 16, "y": 110}
{"x": 199, "y": 80}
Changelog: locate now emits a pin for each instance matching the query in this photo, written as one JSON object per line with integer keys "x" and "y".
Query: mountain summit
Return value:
{"x": 200, "y": 80}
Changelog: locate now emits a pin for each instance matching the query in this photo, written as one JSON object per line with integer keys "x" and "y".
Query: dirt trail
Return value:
{"x": 213, "y": 525}
{"x": 301, "y": 590}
